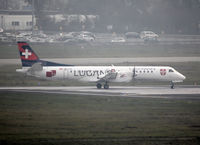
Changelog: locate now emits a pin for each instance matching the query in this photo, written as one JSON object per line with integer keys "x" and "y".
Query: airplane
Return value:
{"x": 101, "y": 75}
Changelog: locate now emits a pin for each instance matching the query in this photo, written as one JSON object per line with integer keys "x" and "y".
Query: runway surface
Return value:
{"x": 125, "y": 91}
{"x": 90, "y": 61}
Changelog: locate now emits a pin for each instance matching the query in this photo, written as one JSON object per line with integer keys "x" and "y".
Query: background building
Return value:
{"x": 160, "y": 16}
{"x": 16, "y": 21}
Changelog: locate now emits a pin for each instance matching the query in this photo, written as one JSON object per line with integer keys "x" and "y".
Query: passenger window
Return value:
{"x": 170, "y": 70}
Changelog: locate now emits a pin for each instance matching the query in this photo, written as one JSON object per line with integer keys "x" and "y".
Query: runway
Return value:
{"x": 124, "y": 91}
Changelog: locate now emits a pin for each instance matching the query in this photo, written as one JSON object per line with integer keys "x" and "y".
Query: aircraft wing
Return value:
{"x": 109, "y": 76}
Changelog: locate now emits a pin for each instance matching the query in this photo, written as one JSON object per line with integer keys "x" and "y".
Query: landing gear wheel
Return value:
{"x": 99, "y": 86}
{"x": 172, "y": 85}
{"x": 106, "y": 86}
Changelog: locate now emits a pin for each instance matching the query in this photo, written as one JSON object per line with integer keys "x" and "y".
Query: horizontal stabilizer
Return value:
{"x": 36, "y": 67}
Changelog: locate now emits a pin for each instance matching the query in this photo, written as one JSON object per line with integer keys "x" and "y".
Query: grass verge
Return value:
{"x": 104, "y": 50}
{"x": 36, "y": 118}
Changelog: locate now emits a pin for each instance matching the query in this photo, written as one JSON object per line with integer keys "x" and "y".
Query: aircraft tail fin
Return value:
{"x": 27, "y": 55}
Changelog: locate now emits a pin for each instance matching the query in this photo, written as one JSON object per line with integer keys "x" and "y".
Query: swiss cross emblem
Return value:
{"x": 26, "y": 53}
{"x": 163, "y": 72}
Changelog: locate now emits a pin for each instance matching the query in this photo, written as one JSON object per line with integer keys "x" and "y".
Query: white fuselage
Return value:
{"x": 95, "y": 73}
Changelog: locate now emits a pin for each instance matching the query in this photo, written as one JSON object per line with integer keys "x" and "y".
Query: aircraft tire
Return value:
{"x": 106, "y": 86}
{"x": 99, "y": 86}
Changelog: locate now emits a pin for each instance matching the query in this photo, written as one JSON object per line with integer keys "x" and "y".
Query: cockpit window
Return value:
{"x": 170, "y": 70}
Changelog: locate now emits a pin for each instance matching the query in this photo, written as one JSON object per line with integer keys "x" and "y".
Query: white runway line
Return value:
{"x": 114, "y": 90}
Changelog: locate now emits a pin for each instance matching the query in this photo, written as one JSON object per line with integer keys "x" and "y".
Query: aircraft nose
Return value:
{"x": 182, "y": 77}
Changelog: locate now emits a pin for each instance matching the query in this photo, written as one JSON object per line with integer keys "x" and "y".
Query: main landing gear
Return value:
{"x": 99, "y": 86}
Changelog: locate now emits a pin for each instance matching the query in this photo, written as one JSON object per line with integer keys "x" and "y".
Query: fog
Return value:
{"x": 160, "y": 16}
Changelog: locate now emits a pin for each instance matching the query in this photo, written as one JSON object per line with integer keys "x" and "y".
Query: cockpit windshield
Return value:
{"x": 171, "y": 70}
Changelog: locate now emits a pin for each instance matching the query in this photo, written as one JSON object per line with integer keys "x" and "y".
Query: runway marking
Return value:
{"x": 184, "y": 92}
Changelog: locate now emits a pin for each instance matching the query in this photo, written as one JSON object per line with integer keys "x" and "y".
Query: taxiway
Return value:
{"x": 95, "y": 61}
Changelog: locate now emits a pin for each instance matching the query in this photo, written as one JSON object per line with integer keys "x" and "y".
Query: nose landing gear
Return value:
{"x": 172, "y": 85}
